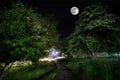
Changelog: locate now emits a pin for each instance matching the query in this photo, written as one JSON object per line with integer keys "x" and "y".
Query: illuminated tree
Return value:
{"x": 96, "y": 31}
{"x": 24, "y": 35}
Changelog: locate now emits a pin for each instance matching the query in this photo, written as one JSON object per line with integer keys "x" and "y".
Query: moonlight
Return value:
{"x": 74, "y": 10}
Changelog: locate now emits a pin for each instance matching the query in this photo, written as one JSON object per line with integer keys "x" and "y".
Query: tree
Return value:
{"x": 96, "y": 31}
{"x": 50, "y": 23}
{"x": 24, "y": 34}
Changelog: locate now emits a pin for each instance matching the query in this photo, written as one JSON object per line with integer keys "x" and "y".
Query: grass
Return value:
{"x": 30, "y": 72}
{"x": 97, "y": 69}
{"x": 50, "y": 77}
{"x": 85, "y": 69}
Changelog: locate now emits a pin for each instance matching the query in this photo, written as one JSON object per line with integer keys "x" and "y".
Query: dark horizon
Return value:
{"x": 61, "y": 10}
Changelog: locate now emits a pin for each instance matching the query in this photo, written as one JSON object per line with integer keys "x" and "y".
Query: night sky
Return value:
{"x": 61, "y": 10}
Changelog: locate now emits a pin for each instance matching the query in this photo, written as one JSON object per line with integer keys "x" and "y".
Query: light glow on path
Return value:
{"x": 51, "y": 59}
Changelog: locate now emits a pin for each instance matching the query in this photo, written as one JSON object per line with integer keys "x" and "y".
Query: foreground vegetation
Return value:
{"x": 83, "y": 69}
{"x": 95, "y": 69}
{"x": 30, "y": 72}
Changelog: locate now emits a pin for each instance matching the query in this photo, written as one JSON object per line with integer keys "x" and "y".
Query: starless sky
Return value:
{"x": 61, "y": 10}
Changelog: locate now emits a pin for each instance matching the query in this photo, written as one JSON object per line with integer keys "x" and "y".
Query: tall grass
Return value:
{"x": 85, "y": 69}
{"x": 30, "y": 72}
{"x": 96, "y": 69}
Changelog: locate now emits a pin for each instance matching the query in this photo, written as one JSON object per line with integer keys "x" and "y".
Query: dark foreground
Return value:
{"x": 73, "y": 69}
{"x": 63, "y": 73}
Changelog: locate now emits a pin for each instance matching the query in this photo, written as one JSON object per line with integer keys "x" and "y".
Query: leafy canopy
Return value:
{"x": 96, "y": 31}
{"x": 24, "y": 34}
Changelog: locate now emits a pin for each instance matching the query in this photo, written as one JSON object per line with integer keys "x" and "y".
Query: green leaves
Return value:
{"x": 25, "y": 34}
{"x": 96, "y": 31}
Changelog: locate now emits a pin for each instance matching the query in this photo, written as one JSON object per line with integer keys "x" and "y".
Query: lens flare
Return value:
{"x": 53, "y": 55}
{"x": 53, "y": 52}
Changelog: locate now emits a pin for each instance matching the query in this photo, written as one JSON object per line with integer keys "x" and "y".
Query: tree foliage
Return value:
{"x": 24, "y": 34}
{"x": 95, "y": 31}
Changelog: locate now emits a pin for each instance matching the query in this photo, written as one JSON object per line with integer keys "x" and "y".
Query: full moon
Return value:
{"x": 74, "y": 10}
